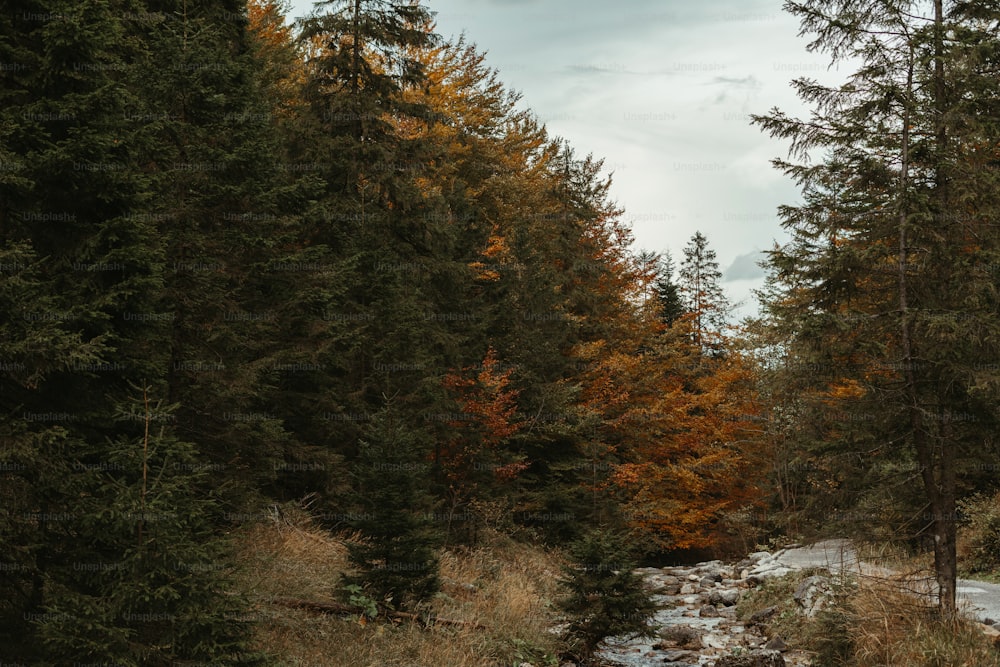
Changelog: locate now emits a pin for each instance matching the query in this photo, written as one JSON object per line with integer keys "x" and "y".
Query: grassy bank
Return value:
{"x": 503, "y": 586}
{"x": 869, "y": 623}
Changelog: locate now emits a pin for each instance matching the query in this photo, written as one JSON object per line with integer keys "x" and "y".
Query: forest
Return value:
{"x": 338, "y": 266}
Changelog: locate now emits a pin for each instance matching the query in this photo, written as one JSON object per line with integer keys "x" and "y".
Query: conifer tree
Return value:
{"x": 77, "y": 218}
{"x": 894, "y": 224}
{"x": 396, "y": 558}
{"x": 605, "y": 598}
{"x": 701, "y": 293}
{"x": 668, "y": 292}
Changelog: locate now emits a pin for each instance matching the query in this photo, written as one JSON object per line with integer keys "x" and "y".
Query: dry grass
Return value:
{"x": 891, "y": 627}
{"x": 501, "y": 584}
{"x": 873, "y": 623}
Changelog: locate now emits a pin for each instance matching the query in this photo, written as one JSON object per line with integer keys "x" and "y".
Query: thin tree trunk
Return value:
{"x": 942, "y": 529}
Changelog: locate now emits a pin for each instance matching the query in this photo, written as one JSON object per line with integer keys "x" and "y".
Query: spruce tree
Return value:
{"x": 396, "y": 558}
{"x": 894, "y": 224}
{"x": 701, "y": 293}
{"x": 668, "y": 292}
{"x": 77, "y": 219}
{"x": 605, "y": 597}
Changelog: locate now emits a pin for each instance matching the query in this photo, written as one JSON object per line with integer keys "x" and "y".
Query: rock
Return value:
{"x": 759, "y": 617}
{"x": 708, "y": 582}
{"x": 693, "y": 577}
{"x": 776, "y": 643}
{"x": 812, "y": 594}
{"x": 682, "y": 636}
{"x": 992, "y": 633}
{"x": 753, "y": 659}
{"x": 689, "y": 589}
{"x": 708, "y": 611}
{"x": 680, "y": 656}
{"x": 726, "y": 597}
{"x": 758, "y": 555}
{"x": 767, "y": 571}
{"x": 672, "y": 589}
{"x": 691, "y": 600}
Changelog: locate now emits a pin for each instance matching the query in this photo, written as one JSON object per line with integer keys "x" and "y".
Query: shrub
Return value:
{"x": 606, "y": 598}
{"x": 982, "y": 528}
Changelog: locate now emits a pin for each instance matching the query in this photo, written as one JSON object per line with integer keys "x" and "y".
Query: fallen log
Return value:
{"x": 344, "y": 609}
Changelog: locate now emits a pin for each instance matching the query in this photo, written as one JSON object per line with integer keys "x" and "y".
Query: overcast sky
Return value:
{"x": 661, "y": 89}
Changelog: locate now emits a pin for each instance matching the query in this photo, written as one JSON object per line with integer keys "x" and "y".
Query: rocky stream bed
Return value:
{"x": 697, "y": 623}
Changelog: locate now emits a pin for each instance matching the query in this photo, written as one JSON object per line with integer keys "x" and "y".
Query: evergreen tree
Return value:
{"x": 668, "y": 292}
{"x": 894, "y": 224}
{"x": 702, "y": 294}
{"x": 605, "y": 598}
{"x": 396, "y": 558}
{"x": 76, "y": 218}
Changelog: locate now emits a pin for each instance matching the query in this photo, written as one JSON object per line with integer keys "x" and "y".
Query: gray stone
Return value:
{"x": 708, "y": 582}
{"x": 752, "y": 659}
{"x": 681, "y": 635}
{"x": 680, "y": 657}
{"x": 812, "y": 594}
{"x": 776, "y": 643}
{"x": 726, "y": 597}
{"x": 708, "y": 611}
{"x": 759, "y": 617}
{"x": 689, "y": 589}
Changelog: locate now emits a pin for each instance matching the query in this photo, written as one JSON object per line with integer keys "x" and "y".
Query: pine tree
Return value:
{"x": 396, "y": 558}
{"x": 77, "y": 219}
{"x": 701, "y": 293}
{"x": 668, "y": 292}
{"x": 894, "y": 224}
{"x": 605, "y": 597}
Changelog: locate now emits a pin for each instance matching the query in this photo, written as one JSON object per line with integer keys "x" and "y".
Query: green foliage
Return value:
{"x": 605, "y": 597}
{"x": 396, "y": 558}
{"x": 982, "y": 528}
{"x": 699, "y": 284}
{"x": 890, "y": 395}
{"x": 668, "y": 292}
{"x": 357, "y": 597}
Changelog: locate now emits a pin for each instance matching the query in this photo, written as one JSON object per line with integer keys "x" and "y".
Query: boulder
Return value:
{"x": 726, "y": 597}
{"x": 776, "y": 643}
{"x": 708, "y": 611}
{"x": 759, "y": 617}
{"x": 682, "y": 636}
{"x": 812, "y": 594}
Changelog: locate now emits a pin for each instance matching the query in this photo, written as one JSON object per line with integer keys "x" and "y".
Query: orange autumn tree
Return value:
{"x": 476, "y": 457}
{"x": 692, "y": 421}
